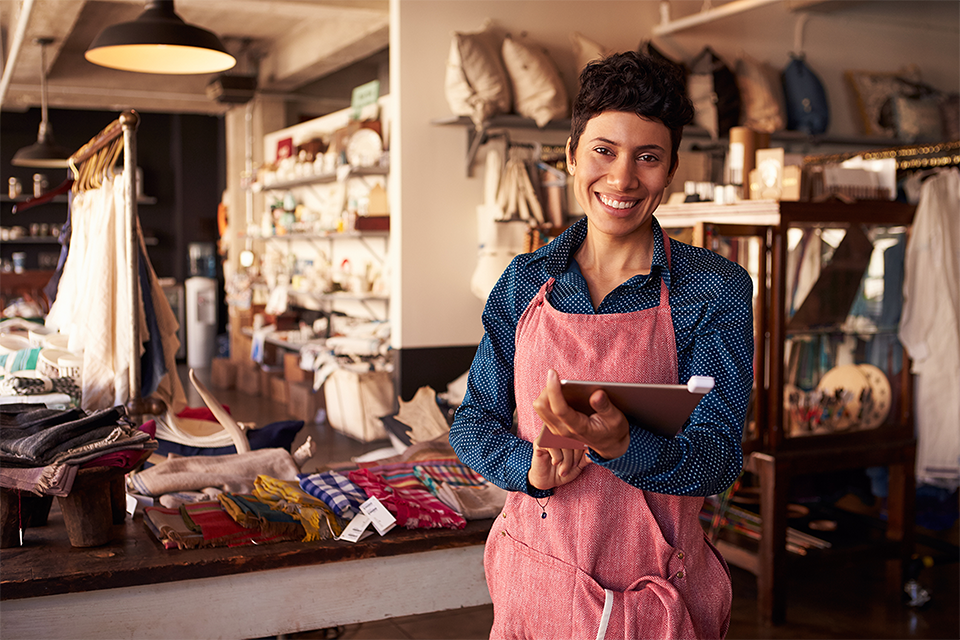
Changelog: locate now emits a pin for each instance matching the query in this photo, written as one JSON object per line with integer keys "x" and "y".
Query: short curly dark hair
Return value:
{"x": 635, "y": 83}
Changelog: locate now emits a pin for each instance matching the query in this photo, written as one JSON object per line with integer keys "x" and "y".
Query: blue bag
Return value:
{"x": 806, "y": 99}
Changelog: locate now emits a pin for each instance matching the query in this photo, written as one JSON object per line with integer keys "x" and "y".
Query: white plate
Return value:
{"x": 364, "y": 148}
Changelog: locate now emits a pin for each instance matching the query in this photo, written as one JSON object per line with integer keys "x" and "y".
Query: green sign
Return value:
{"x": 364, "y": 96}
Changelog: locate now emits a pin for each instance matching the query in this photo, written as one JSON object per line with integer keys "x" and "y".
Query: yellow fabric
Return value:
{"x": 287, "y": 496}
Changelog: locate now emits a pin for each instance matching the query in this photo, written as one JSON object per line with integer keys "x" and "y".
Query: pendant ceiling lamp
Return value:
{"x": 44, "y": 153}
{"x": 159, "y": 41}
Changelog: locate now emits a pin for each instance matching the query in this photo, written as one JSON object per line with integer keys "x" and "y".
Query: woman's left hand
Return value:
{"x": 607, "y": 431}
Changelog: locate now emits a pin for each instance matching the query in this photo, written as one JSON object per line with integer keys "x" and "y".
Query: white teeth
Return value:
{"x": 617, "y": 204}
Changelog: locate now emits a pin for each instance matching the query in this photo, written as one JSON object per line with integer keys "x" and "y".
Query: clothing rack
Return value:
{"x": 89, "y": 165}
{"x": 914, "y": 156}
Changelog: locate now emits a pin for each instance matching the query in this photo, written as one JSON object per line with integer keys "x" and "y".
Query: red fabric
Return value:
{"x": 548, "y": 576}
{"x": 220, "y": 530}
{"x": 412, "y": 507}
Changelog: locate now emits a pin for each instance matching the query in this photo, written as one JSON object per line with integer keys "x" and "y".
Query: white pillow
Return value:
{"x": 477, "y": 84}
{"x": 761, "y": 95}
{"x": 539, "y": 92}
{"x": 586, "y": 50}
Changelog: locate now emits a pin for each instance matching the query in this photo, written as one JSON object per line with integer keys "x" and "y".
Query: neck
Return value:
{"x": 608, "y": 261}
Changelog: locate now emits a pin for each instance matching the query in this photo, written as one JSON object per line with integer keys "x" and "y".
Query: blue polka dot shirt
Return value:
{"x": 711, "y": 305}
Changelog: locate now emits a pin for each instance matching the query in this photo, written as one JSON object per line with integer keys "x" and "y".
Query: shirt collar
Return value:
{"x": 567, "y": 243}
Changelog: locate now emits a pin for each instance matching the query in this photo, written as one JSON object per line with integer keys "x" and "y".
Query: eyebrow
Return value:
{"x": 645, "y": 147}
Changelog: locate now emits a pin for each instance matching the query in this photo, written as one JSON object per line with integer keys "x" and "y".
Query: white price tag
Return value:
{"x": 355, "y": 529}
{"x": 382, "y": 519}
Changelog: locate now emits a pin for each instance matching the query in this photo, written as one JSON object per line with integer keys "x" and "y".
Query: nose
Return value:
{"x": 622, "y": 174}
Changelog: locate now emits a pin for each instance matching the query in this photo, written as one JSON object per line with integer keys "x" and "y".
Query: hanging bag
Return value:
{"x": 806, "y": 99}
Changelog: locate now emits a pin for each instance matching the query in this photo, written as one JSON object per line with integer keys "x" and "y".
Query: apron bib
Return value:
{"x": 609, "y": 560}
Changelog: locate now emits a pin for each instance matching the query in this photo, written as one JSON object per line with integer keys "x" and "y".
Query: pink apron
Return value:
{"x": 609, "y": 560}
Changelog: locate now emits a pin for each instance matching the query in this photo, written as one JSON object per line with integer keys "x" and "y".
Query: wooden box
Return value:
{"x": 303, "y": 402}
{"x": 223, "y": 373}
{"x": 248, "y": 378}
{"x": 291, "y": 368}
{"x": 278, "y": 390}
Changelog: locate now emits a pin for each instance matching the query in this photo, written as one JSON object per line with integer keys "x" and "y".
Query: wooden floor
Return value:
{"x": 842, "y": 600}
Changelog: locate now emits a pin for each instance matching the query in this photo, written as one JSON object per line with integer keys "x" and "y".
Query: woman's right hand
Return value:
{"x": 551, "y": 468}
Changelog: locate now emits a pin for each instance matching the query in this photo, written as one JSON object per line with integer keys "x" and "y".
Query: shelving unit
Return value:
{"x": 477, "y": 137}
{"x": 772, "y": 453}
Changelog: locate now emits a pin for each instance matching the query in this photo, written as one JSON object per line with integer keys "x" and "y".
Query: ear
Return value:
{"x": 571, "y": 163}
{"x": 673, "y": 170}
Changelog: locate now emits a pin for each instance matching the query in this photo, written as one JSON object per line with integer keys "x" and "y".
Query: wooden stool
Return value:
{"x": 21, "y": 509}
{"x": 88, "y": 511}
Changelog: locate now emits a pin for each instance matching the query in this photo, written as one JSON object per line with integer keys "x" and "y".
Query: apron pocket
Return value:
{"x": 531, "y": 591}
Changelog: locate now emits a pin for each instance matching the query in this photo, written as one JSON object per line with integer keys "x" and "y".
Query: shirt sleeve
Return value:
{"x": 707, "y": 456}
{"x": 481, "y": 434}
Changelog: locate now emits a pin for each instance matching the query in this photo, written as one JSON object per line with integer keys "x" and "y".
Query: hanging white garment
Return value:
{"x": 93, "y": 308}
{"x": 930, "y": 327}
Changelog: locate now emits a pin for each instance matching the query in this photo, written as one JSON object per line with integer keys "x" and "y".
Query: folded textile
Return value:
{"x": 276, "y": 435}
{"x": 220, "y": 530}
{"x": 473, "y": 502}
{"x": 250, "y": 512}
{"x": 453, "y": 472}
{"x": 234, "y": 473}
{"x": 56, "y": 480}
{"x": 413, "y": 508}
{"x": 20, "y": 360}
{"x": 18, "y": 420}
{"x": 318, "y": 520}
{"x": 36, "y": 442}
{"x": 335, "y": 490}
{"x": 169, "y": 527}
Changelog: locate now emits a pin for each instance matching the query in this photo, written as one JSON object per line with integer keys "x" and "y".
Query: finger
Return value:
{"x": 567, "y": 464}
{"x": 553, "y": 393}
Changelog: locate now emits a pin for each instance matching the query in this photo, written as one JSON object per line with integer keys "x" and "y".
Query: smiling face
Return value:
{"x": 622, "y": 166}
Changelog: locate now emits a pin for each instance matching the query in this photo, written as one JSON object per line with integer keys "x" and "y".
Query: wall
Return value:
{"x": 433, "y": 201}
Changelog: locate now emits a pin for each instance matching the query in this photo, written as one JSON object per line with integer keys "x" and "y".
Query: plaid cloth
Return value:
{"x": 456, "y": 474}
{"x": 414, "y": 508}
{"x": 336, "y": 491}
{"x": 317, "y": 518}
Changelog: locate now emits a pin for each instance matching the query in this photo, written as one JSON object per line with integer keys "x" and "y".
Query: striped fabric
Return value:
{"x": 336, "y": 491}
{"x": 20, "y": 360}
{"x": 456, "y": 474}
{"x": 414, "y": 508}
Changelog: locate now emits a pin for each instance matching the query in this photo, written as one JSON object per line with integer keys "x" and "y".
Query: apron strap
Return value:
{"x": 605, "y": 618}
{"x": 664, "y": 293}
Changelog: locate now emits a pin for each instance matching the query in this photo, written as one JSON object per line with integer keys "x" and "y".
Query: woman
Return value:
{"x": 607, "y": 542}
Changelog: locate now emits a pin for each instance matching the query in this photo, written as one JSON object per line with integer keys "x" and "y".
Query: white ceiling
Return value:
{"x": 291, "y": 43}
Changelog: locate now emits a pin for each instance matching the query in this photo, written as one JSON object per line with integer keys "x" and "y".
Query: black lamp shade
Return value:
{"x": 45, "y": 153}
{"x": 159, "y": 41}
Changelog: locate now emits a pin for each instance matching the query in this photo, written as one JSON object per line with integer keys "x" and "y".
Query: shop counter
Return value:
{"x": 134, "y": 588}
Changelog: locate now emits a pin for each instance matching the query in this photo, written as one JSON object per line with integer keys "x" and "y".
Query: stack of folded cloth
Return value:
{"x": 41, "y": 449}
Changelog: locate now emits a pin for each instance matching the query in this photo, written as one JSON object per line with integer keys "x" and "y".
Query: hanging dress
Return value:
{"x": 608, "y": 560}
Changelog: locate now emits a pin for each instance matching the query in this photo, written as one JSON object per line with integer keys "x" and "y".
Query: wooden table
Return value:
{"x": 134, "y": 588}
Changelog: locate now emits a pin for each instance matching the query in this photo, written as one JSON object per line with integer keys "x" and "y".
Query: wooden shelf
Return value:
{"x": 776, "y": 457}
{"x": 477, "y": 136}
{"x": 323, "y": 178}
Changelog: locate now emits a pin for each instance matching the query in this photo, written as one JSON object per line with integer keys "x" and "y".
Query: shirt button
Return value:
{"x": 679, "y": 574}
{"x": 680, "y": 555}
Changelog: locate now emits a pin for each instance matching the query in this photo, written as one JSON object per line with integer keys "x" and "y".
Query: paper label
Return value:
{"x": 356, "y": 527}
{"x": 382, "y": 519}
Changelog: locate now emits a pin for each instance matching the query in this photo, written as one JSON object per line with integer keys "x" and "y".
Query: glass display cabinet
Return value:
{"x": 832, "y": 388}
